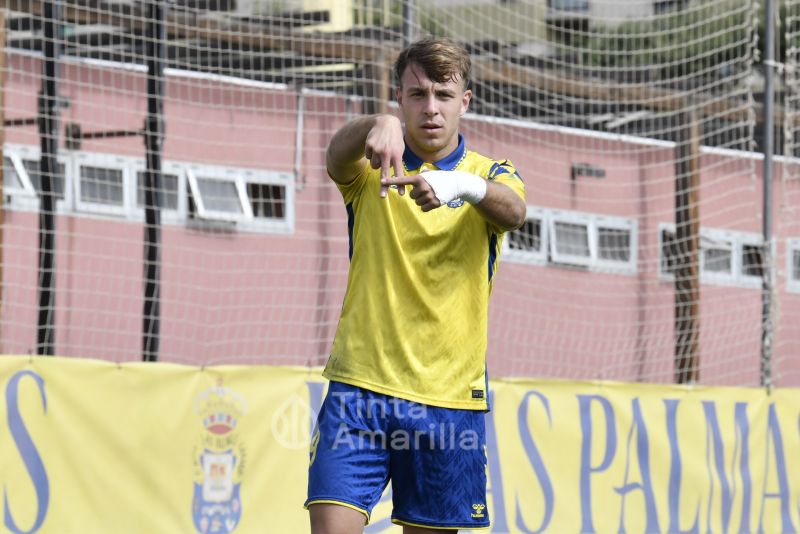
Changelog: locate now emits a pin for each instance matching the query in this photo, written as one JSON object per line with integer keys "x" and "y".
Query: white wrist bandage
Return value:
{"x": 450, "y": 185}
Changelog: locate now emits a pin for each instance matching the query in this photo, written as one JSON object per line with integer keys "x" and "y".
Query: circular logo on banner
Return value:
{"x": 290, "y": 423}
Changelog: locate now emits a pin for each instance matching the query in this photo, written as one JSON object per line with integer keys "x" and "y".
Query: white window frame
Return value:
{"x": 219, "y": 173}
{"x": 105, "y": 161}
{"x": 31, "y": 152}
{"x": 719, "y": 239}
{"x": 792, "y": 246}
{"x": 615, "y": 223}
{"x": 284, "y": 179}
{"x": 593, "y": 222}
{"x": 756, "y": 240}
{"x": 568, "y": 217}
{"x": 129, "y": 166}
{"x": 26, "y": 190}
{"x": 530, "y": 256}
{"x": 167, "y": 215}
{"x": 737, "y": 240}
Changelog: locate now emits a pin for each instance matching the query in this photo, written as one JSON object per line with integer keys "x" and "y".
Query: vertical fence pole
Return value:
{"x": 153, "y": 140}
{"x": 48, "y": 167}
{"x": 768, "y": 149}
{"x": 409, "y": 22}
{"x": 2, "y": 137}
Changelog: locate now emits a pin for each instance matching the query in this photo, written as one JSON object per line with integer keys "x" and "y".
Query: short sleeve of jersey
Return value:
{"x": 504, "y": 172}
{"x": 351, "y": 190}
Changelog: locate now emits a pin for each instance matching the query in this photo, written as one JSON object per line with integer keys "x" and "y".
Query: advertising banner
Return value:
{"x": 91, "y": 446}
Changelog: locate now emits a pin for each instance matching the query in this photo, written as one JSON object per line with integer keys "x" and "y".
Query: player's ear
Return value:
{"x": 398, "y": 95}
{"x": 465, "y": 100}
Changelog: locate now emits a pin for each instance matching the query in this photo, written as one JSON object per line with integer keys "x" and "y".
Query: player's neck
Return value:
{"x": 432, "y": 156}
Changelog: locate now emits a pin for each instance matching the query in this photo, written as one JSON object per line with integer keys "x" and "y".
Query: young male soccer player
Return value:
{"x": 408, "y": 381}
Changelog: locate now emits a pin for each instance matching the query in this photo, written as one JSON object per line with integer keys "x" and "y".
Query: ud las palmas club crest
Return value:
{"x": 219, "y": 460}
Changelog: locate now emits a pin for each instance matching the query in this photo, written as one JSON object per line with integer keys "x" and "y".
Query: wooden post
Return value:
{"x": 687, "y": 245}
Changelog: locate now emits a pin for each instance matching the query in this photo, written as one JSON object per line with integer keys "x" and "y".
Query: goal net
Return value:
{"x": 636, "y": 126}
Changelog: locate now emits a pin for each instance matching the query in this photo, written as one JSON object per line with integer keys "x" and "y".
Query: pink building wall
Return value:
{"x": 246, "y": 297}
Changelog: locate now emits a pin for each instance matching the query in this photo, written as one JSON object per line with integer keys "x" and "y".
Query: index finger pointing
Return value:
{"x": 402, "y": 180}
{"x": 385, "y": 175}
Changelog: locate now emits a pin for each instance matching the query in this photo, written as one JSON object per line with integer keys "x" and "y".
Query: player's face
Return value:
{"x": 431, "y": 112}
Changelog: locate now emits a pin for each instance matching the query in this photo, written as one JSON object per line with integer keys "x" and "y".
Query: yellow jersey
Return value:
{"x": 415, "y": 315}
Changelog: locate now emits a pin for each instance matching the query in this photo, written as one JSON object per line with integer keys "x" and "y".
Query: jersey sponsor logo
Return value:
{"x": 218, "y": 461}
{"x": 477, "y": 393}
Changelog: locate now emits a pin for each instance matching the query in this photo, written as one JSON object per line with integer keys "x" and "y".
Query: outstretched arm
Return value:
{"x": 502, "y": 207}
{"x": 376, "y": 140}
{"x": 496, "y": 202}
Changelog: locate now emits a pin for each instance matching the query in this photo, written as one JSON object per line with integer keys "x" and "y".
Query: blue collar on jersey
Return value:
{"x": 448, "y": 163}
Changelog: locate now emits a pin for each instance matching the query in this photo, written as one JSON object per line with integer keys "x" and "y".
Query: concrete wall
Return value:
{"x": 238, "y": 296}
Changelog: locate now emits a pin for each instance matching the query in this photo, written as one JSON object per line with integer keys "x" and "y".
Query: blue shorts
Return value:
{"x": 435, "y": 458}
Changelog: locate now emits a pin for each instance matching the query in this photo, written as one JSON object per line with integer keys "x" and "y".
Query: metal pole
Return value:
{"x": 300, "y": 120}
{"x": 409, "y": 22}
{"x": 768, "y": 148}
{"x": 2, "y": 136}
{"x": 48, "y": 135}
{"x": 153, "y": 140}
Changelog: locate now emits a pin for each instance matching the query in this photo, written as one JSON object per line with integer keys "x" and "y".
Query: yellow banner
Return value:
{"x": 89, "y": 446}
